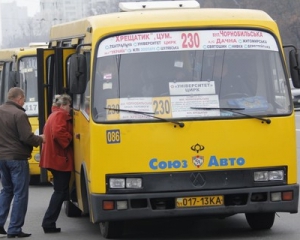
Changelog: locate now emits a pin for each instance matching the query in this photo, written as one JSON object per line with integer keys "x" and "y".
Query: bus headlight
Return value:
{"x": 263, "y": 176}
{"x": 260, "y": 176}
{"x": 276, "y": 175}
{"x": 37, "y": 157}
{"x": 133, "y": 183}
{"x": 116, "y": 183}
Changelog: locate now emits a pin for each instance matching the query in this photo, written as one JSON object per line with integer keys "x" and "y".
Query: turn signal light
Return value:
{"x": 108, "y": 205}
{"x": 287, "y": 196}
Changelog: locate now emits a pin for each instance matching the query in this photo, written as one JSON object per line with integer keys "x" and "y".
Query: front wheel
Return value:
{"x": 111, "y": 229}
{"x": 260, "y": 221}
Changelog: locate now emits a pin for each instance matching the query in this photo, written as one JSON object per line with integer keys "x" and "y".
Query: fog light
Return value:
{"x": 108, "y": 205}
{"x": 287, "y": 196}
{"x": 133, "y": 183}
{"x": 121, "y": 205}
{"x": 276, "y": 196}
{"x": 37, "y": 157}
{"x": 117, "y": 183}
{"x": 261, "y": 176}
{"x": 276, "y": 175}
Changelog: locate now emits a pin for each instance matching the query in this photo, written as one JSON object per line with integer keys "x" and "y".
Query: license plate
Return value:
{"x": 202, "y": 201}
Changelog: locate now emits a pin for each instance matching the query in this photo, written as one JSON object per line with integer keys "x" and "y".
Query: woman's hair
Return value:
{"x": 55, "y": 101}
{"x": 63, "y": 100}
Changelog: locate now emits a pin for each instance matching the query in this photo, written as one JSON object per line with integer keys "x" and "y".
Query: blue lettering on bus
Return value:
{"x": 155, "y": 164}
{"x": 226, "y": 162}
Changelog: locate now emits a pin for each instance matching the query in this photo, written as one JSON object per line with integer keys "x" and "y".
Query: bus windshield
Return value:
{"x": 188, "y": 75}
{"x": 28, "y": 82}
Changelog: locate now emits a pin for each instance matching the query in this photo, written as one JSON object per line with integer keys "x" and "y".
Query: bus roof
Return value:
{"x": 158, "y": 19}
{"x": 7, "y": 54}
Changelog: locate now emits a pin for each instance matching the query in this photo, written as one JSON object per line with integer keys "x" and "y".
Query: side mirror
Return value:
{"x": 78, "y": 73}
{"x": 294, "y": 68}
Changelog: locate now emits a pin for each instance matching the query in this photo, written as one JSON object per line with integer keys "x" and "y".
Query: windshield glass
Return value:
{"x": 28, "y": 82}
{"x": 171, "y": 74}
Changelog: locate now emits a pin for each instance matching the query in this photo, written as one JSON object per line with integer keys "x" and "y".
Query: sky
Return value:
{"x": 33, "y": 6}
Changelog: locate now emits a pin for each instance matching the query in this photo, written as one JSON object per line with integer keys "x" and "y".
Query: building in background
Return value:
{"x": 12, "y": 26}
{"x": 18, "y": 29}
{"x": 57, "y": 11}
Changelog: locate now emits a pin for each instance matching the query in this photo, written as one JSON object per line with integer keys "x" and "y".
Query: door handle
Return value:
{"x": 77, "y": 136}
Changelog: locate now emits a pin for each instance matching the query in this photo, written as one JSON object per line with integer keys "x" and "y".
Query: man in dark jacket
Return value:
{"x": 16, "y": 144}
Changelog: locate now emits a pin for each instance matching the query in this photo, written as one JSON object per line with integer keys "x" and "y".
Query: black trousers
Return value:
{"x": 61, "y": 182}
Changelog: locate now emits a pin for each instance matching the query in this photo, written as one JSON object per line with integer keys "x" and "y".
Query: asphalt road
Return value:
{"x": 286, "y": 226}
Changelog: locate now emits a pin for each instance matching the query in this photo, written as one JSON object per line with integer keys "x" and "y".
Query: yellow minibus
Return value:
{"x": 177, "y": 111}
{"x": 20, "y": 69}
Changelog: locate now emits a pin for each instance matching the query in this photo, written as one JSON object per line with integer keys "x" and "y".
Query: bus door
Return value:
{"x": 62, "y": 85}
{"x": 52, "y": 80}
{"x": 61, "y": 69}
{"x": 5, "y": 80}
{"x": 45, "y": 74}
{"x": 78, "y": 69}
{"x": 62, "y": 63}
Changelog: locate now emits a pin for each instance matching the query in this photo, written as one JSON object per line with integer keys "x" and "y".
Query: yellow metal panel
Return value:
{"x": 224, "y": 147}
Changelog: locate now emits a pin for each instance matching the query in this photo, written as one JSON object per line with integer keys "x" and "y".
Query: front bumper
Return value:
{"x": 157, "y": 205}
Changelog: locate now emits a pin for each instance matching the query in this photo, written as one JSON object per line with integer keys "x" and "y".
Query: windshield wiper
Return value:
{"x": 234, "y": 110}
{"x": 150, "y": 114}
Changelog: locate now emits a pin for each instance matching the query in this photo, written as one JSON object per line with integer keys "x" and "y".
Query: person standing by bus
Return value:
{"x": 16, "y": 144}
{"x": 57, "y": 157}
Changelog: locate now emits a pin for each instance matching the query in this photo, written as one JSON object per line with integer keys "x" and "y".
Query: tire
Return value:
{"x": 71, "y": 209}
{"x": 260, "y": 221}
{"x": 111, "y": 229}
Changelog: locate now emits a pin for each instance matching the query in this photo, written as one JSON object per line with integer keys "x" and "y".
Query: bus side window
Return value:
{"x": 86, "y": 94}
{"x": 106, "y": 83}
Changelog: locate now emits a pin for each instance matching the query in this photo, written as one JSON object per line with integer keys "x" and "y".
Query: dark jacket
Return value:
{"x": 57, "y": 151}
{"x": 16, "y": 136}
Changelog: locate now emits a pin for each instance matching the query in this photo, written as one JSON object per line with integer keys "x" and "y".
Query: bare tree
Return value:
{"x": 284, "y": 12}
